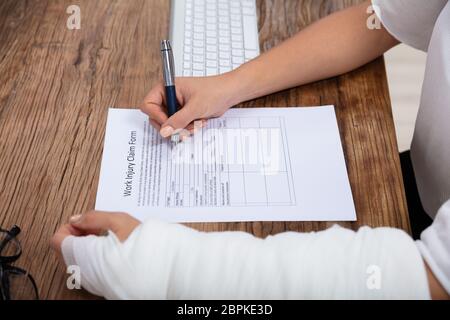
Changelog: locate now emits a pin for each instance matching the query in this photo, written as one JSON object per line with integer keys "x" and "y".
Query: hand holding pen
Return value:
{"x": 172, "y": 108}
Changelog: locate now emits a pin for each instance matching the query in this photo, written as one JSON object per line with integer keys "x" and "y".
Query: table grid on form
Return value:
{"x": 247, "y": 172}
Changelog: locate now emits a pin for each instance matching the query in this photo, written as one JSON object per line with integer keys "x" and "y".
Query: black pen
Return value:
{"x": 169, "y": 77}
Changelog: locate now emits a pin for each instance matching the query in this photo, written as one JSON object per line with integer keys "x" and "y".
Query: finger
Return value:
{"x": 196, "y": 125}
{"x": 179, "y": 120}
{"x": 95, "y": 222}
{"x": 157, "y": 114}
{"x": 58, "y": 237}
{"x": 155, "y": 124}
{"x": 62, "y": 233}
{"x": 153, "y": 105}
{"x": 192, "y": 129}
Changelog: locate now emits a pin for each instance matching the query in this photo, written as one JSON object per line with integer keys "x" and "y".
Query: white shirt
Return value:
{"x": 425, "y": 25}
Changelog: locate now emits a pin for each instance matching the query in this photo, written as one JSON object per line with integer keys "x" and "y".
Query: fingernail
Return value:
{"x": 166, "y": 132}
{"x": 76, "y": 218}
{"x": 184, "y": 137}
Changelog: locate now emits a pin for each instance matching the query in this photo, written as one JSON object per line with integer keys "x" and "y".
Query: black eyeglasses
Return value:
{"x": 15, "y": 283}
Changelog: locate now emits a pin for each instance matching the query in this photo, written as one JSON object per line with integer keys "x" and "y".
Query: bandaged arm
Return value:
{"x": 169, "y": 261}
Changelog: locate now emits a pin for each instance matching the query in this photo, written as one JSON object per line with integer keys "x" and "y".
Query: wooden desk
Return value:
{"x": 56, "y": 86}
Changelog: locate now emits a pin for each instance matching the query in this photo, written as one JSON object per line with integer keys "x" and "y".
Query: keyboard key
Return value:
{"x": 198, "y": 29}
{"x": 238, "y": 59}
{"x": 248, "y": 11}
{"x": 250, "y": 54}
{"x": 224, "y": 69}
{"x": 199, "y": 36}
{"x": 211, "y": 64}
{"x": 211, "y": 33}
{"x": 211, "y": 71}
{"x": 199, "y": 11}
{"x": 223, "y": 13}
{"x": 224, "y": 63}
{"x": 224, "y": 47}
{"x": 236, "y": 30}
{"x": 199, "y": 22}
{"x": 198, "y": 58}
{"x": 248, "y": 4}
{"x": 224, "y": 26}
{"x": 224, "y": 40}
{"x": 236, "y": 23}
{"x": 198, "y": 43}
{"x": 236, "y": 17}
{"x": 198, "y": 66}
{"x": 199, "y": 51}
{"x": 236, "y": 45}
{"x": 235, "y": 11}
{"x": 237, "y": 52}
{"x": 237, "y": 38}
{"x": 235, "y": 4}
{"x": 224, "y": 33}
{"x": 211, "y": 55}
{"x": 250, "y": 37}
{"x": 224, "y": 55}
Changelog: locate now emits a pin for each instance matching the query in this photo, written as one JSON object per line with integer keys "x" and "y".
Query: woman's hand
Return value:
{"x": 95, "y": 223}
{"x": 199, "y": 99}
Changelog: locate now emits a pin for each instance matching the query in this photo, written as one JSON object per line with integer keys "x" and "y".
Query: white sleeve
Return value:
{"x": 410, "y": 21}
{"x": 168, "y": 261}
{"x": 434, "y": 245}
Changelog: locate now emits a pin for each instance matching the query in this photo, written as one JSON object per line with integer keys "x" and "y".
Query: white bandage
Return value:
{"x": 167, "y": 261}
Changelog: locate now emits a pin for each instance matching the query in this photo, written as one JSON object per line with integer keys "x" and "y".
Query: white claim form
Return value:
{"x": 259, "y": 164}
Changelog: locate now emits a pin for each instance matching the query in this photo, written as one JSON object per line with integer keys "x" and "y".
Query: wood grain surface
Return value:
{"x": 57, "y": 85}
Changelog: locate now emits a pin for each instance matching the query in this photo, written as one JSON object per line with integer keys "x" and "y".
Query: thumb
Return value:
{"x": 95, "y": 222}
{"x": 179, "y": 120}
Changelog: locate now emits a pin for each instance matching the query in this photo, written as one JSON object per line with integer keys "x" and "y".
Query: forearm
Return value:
{"x": 166, "y": 261}
{"x": 332, "y": 46}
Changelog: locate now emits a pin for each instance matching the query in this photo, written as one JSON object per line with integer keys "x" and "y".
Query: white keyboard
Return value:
{"x": 211, "y": 37}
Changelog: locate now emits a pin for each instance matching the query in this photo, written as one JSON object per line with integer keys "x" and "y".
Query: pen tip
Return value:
{"x": 165, "y": 45}
{"x": 175, "y": 138}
